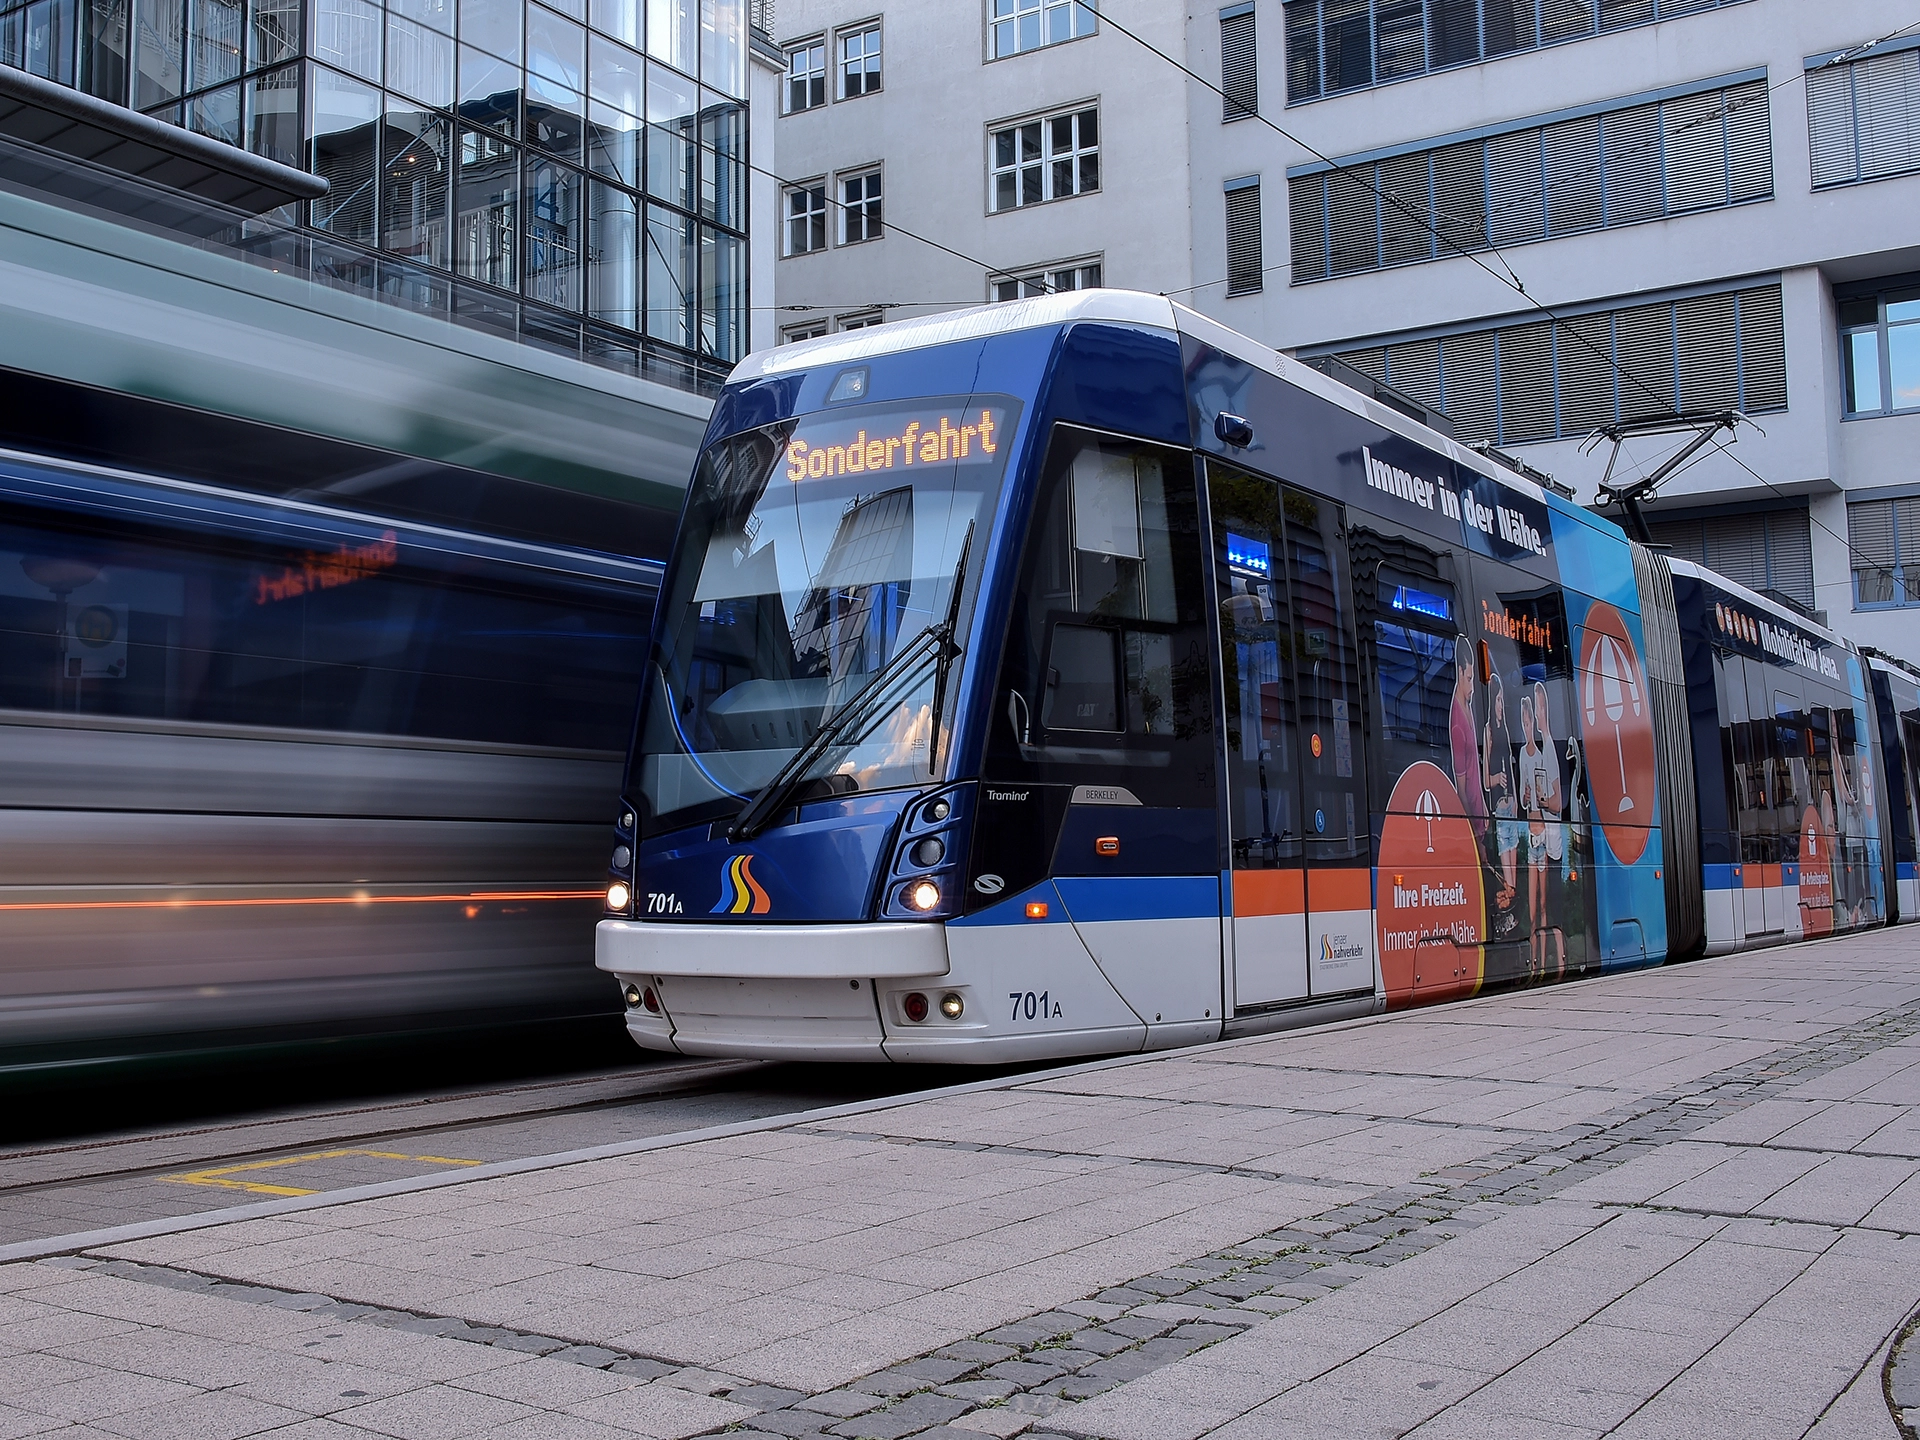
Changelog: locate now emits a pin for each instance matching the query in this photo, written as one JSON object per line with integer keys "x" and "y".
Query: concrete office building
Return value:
{"x": 1714, "y": 198}
{"x": 572, "y": 175}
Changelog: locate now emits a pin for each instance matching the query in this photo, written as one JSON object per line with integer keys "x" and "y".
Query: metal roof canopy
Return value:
{"x": 114, "y": 138}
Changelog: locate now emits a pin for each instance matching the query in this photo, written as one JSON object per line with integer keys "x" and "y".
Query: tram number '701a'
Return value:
{"x": 1029, "y": 1006}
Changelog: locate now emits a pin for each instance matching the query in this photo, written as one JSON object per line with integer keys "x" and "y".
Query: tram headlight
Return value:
{"x": 938, "y": 811}
{"x": 923, "y": 895}
{"x": 619, "y": 897}
{"x": 951, "y": 1005}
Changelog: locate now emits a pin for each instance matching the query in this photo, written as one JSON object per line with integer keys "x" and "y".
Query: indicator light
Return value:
{"x": 1316, "y": 747}
{"x": 1107, "y": 845}
{"x": 622, "y": 857}
{"x": 1036, "y": 910}
{"x": 633, "y": 994}
{"x": 626, "y": 820}
{"x": 619, "y": 897}
{"x": 930, "y": 851}
{"x": 923, "y": 895}
{"x": 951, "y": 1005}
{"x": 939, "y": 810}
{"x": 915, "y": 1006}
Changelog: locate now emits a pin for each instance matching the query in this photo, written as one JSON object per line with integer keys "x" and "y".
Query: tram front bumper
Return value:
{"x": 790, "y": 992}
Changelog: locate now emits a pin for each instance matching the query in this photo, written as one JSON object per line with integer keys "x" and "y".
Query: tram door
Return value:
{"x": 1334, "y": 819}
{"x": 1301, "y": 895}
{"x": 1267, "y": 935}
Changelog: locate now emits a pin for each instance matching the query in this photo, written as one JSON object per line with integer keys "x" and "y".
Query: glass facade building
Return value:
{"x": 571, "y": 173}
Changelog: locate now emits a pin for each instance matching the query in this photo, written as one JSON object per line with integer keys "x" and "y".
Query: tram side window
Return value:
{"x": 365, "y": 634}
{"x": 1415, "y": 646}
{"x": 1106, "y": 666}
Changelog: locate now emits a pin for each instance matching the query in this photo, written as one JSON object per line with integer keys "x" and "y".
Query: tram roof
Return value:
{"x": 1126, "y": 307}
{"x": 1879, "y": 659}
{"x": 1758, "y": 601}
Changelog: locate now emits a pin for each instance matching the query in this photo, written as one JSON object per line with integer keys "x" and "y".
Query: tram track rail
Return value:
{"x": 130, "y": 1155}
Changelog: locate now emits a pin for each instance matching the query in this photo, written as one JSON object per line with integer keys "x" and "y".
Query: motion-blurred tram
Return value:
{"x": 1075, "y": 676}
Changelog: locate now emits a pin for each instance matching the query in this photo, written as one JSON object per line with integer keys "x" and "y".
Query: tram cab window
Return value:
{"x": 1105, "y": 668}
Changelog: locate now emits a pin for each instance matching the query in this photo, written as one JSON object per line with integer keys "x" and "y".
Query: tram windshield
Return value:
{"x": 814, "y": 558}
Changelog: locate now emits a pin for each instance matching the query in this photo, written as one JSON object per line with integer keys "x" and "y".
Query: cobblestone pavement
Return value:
{"x": 1681, "y": 1202}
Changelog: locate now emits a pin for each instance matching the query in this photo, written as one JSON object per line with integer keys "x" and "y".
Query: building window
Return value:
{"x": 1618, "y": 165}
{"x": 1046, "y": 280}
{"x": 859, "y": 61}
{"x": 1880, "y": 344}
{"x": 1239, "y": 72}
{"x": 807, "y": 218}
{"x": 1336, "y": 45}
{"x": 1019, "y": 25}
{"x": 1046, "y": 159}
{"x": 861, "y": 322}
{"x": 1771, "y": 551}
{"x": 1863, "y": 118}
{"x": 860, "y": 208}
{"x": 1244, "y": 268}
{"x": 806, "y": 76}
{"x": 1531, "y": 380}
{"x": 811, "y": 330}
{"x": 1884, "y": 536}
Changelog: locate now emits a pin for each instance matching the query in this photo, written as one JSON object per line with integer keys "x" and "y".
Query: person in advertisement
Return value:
{"x": 1504, "y": 801}
{"x": 1462, "y": 741}
{"x": 1541, "y": 778}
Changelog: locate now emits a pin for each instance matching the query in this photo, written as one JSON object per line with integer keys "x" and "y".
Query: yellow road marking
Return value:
{"x": 218, "y": 1176}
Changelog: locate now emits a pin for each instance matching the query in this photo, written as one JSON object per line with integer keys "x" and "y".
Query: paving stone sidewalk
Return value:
{"x": 1680, "y": 1202}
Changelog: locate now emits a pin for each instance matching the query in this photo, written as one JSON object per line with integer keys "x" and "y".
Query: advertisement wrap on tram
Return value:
{"x": 1509, "y": 723}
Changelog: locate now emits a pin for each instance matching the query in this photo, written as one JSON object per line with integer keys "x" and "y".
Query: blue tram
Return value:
{"x": 1076, "y": 676}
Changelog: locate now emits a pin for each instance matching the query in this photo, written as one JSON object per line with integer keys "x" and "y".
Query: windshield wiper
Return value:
{"x": 935, "y": 642}
{"x": 948, "y": 654}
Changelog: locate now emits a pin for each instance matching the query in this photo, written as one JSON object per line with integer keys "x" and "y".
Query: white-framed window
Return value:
{"x": 806, "y": 75}
{"x": 862, "y": 321}
{"x": 860, "y": 207}
{"x": 859, "y": 60}
{"x": 1017, "y": 25}
{"x": 806, "y": 214}
{"x": 1048, "y": 158}
{"x": 1055, "y": 279}
{"x": 810, "y": 330}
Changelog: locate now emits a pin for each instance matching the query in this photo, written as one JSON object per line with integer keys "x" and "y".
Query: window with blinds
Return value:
{"x": 1884, "y": 536}
{"x": 1863, "y": 118}
{"x": 1768, "y": 551}
{"x": 1336, "y": 45}
{"x": 1536, "y": 181}
{"x": 1244, "y": 268}
{"x": 1533, "y": 380}
{"x": 1239, "y": 74}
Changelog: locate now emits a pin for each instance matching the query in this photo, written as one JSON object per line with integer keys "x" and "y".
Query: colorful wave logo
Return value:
{"x": 740, "y": 893}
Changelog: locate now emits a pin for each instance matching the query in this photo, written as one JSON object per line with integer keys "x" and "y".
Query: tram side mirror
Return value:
{"x": 1083, "y": 679}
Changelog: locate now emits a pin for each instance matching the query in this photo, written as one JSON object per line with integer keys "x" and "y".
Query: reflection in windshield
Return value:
{"x": 812, "y": 554}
